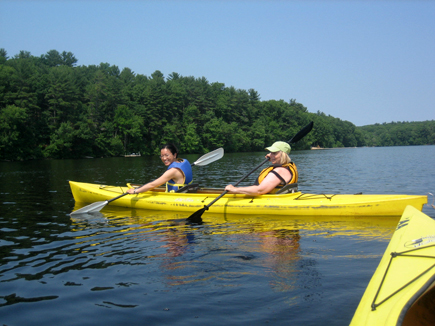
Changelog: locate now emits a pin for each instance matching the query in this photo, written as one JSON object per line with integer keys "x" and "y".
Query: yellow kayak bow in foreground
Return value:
{"x": 402, "y": 289}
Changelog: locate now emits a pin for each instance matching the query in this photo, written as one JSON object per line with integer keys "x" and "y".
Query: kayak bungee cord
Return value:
{"x": 109, "y": 188}
{"x": 374, "y": 305}
{"x": 310, "y": 196}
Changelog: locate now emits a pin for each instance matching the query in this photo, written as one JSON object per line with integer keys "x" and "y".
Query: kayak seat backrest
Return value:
{"x": 287, "y": 189}
{"x": 189, "y": 188}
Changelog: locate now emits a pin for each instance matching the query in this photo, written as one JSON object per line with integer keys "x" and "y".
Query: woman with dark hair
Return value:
{"x": 178, "y": 174}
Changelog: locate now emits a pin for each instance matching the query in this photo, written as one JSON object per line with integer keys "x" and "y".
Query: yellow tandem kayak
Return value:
{"x": 292, "y": 204}
{"x": 402, "y": 289}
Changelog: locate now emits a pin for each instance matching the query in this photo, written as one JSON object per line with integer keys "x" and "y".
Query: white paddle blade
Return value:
{"x": 94, "y": 207}
{"x": 215, "y": 155}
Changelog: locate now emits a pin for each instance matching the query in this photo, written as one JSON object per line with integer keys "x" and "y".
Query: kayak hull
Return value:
{"x": 296, "y": 204}
{"x": 402, "y": 289}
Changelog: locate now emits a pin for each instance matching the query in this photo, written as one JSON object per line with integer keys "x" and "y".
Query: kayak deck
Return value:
{"x": 402, "y": 289}
{"x": 296, "y": 204}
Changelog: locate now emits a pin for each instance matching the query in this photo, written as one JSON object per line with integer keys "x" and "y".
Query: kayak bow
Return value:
{"x": 402, "y": 289}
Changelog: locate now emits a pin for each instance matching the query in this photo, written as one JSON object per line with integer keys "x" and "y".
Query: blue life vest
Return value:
{"x": 186, "y": 168}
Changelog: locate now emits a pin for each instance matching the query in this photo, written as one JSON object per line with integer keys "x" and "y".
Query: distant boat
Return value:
{"x": 316, "y": 147}
{"x": 132, "y": 155}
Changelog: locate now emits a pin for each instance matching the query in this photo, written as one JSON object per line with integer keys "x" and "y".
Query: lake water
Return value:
{"x": 139, "y": 267}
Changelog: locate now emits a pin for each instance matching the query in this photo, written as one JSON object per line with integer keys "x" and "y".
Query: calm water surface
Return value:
{"x": 143, "y": 267}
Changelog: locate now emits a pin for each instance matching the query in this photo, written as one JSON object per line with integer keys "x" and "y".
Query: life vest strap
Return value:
{"x": 179, "y": 185}
{"x": 279, "y": 177}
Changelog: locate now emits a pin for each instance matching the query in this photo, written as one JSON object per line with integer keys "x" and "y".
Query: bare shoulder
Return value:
{"x": 282, "y": 171}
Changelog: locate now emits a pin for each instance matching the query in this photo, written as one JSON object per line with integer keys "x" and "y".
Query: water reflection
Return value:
{"x": 222, "y": 246}
{"x": 282, "y": 248}
{"x": 364, "y": 227}
{"x": 185, "y": 253}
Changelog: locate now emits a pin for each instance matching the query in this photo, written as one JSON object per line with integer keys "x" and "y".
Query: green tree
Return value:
{"x": 52, "y": 58}
{"x": 96, "y": 94}
{"x": 68, "y": 59}
{"x": 191, "y": 142}
{"x": 61, "y": 143}
{"x": 13, "y": 133}
{"x": 3, "y": 56}
{"x": 127, "y": 125}
{"x": 323, "y": 132}
{"x": 62, "y": 96}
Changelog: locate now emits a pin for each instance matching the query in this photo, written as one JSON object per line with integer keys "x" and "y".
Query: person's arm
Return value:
{"x": 165, "y": 177}
{"x": 266, "y": 186}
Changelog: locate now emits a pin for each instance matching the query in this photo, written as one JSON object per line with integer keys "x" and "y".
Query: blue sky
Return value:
{"x": 362, "y": 61}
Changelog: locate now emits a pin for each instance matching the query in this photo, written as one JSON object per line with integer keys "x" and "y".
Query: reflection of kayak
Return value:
{"x": 367, "y": 228}
{"x": 402, "y": 289}
{"x": 296, "y": 204}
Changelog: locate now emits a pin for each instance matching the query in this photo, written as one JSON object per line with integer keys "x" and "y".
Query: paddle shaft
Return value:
{"x": 236, "y": 184}
{"x": 110, "y": 200}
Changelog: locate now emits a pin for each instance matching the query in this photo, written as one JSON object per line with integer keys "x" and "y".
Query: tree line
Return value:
{"x": 52, "y": 108}
{"x": 400, "y": 133}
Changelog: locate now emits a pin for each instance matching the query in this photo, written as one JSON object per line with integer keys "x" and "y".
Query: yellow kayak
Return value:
{"x": 402, "y": 289}
{"x": 291, "y": 204}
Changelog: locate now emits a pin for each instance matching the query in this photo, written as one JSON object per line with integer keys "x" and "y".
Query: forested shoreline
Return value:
{"x": 52, "y": 108}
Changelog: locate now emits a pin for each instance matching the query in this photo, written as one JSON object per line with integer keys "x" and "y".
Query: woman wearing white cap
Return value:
{"x": 271, "y": 179}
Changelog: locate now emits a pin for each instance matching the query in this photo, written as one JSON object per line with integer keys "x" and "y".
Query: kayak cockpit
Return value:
{"x": 196, "y": 189}
{"x": 420, "y": 311}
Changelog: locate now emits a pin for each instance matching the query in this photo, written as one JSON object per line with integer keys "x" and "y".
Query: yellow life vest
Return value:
{"x": 290, "y": 166}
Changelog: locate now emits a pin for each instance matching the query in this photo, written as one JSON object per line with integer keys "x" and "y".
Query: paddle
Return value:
{"x": 196, "y": 217}
{"x": 203, "y": 160}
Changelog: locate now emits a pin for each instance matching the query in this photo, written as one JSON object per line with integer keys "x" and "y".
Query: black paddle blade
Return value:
{"x": 194, "y": 221}
{"x": 196, "y": 217}
{"x": 301, "y": 134}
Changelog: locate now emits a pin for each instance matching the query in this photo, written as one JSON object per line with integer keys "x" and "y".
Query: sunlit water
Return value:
{"x": 139, "y": 267}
